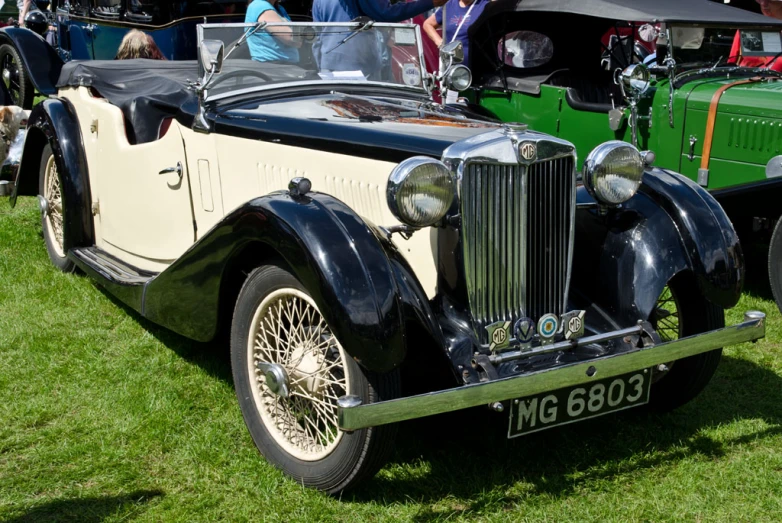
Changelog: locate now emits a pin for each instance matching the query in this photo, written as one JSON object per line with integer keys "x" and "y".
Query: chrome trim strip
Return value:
{"x": 374, "y": 414}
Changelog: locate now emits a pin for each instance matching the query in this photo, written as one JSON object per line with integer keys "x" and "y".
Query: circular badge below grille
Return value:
{"x": 548, "y": 324}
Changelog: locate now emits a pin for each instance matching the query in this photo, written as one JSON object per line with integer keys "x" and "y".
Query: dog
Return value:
{"x": 12, "y": 119}
{"x": 13, "y": 126}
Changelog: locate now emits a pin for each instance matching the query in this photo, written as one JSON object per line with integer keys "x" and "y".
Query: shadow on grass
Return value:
{"x": 213, "y": 357}
{"x": 87, "y": 510}
{"x": 466, "y": 455}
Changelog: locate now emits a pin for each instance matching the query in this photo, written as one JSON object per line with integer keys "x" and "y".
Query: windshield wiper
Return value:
{"x": 245, "y": 36}
{"x": 366, "y": 23}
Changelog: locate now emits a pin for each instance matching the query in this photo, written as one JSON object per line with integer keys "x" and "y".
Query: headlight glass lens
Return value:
{"x": 420, "y": 191}
{"x": 613, "y": 171}
{"x": 459, "y": 78}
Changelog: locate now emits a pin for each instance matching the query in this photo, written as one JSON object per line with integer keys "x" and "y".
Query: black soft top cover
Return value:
{"x": 147, "y": 91}
{"x": 681, "y": 11}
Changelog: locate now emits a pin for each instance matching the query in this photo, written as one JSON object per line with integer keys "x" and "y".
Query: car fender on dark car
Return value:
{"x": 671, "y": 225}
{"x": 40, "y": 60}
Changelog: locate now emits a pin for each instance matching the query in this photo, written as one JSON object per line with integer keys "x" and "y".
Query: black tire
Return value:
{"x": 15, "y": 77}
{"x": 54, "y": 246}
{"x": 775, "y": 263}
{"x": 687, "y": 377}
{"x": 358, "y": 455}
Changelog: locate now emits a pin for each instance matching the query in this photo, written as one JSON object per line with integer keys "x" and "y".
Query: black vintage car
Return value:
{"x": 298, "y": 187}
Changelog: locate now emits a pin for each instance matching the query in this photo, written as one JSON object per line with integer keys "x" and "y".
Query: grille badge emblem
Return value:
{"x": 548, "y": 325}
{"x": 499, "y": 335}
{"x": 528, "y": 151}
{"x": 573, "y": 324}
{"x": 524, "y": 331}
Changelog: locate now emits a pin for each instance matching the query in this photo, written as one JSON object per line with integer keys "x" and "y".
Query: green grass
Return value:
{"x": 106, "y": 417}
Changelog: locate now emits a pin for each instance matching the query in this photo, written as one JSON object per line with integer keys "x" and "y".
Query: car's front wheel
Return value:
{"x": 52, "y": 211}
{"x": 681, "y": 311}
{"x": 289, "y": 370}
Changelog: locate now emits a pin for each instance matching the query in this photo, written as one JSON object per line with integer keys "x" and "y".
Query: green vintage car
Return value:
{"x": 586, "y": 71}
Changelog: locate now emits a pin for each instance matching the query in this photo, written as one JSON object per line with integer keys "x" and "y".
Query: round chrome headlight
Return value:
{"x": 420, "y": 191}
{"x": 613, "y": 172}
{"x": 458, "y": 78}
{"x": 635, "y": 80}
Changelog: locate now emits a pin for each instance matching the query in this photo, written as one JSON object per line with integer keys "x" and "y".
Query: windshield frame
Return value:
{"x": 424, "y": 89}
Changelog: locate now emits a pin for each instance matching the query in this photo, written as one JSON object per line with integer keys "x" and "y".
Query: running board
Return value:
{"x": 110, "y": 267}
{"x": 126, "y": 282}
{"x": 353, "y": 415}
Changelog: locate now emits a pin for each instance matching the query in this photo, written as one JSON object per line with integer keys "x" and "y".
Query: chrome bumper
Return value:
{"x": 354, "y": 415}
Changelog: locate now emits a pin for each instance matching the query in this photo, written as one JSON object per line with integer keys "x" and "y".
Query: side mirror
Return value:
{"x": 648, "y": 33}
{"x": 212, "y": 52}
{"x": 453, "y": 51}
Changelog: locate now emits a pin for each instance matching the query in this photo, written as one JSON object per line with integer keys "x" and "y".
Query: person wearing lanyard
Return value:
{"x": 459, "y": 15}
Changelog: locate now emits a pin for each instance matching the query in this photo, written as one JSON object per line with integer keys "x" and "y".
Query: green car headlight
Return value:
{"x": 420, "y": 191}
{"x": 613, "y": 172}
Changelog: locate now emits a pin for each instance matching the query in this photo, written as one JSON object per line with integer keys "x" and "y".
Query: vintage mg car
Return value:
{"x": 358, "y": 241}
{"x": 706, "y": 113}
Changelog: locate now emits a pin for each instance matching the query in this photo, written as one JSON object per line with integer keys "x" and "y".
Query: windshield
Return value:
{"x": 298, "y": 53}
{"x": 707, "y": 45}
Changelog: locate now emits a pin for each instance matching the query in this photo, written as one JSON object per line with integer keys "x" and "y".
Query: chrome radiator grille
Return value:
{"x": 517, "y": 239}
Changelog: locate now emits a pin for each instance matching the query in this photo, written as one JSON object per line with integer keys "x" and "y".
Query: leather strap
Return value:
{"x": 712, "y": 118}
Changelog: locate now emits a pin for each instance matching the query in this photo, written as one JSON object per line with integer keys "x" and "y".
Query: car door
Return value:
{"x": 144, "y": 203}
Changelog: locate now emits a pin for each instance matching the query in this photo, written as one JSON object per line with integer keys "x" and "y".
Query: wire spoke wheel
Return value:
{"x": 666, "y": 321}
{"x": 665, "y": 317}
{"x": 53, "y": 194}
{"x": 289, "y": 331}
{"x": 15, "y": 77}
{"x": 11, "y": 77}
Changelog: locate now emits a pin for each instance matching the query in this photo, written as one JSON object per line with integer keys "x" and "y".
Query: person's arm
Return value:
{"x": 431, "y": 25}
{"x": 283, "y": 34}
{"x": 384, "y": 11}
{"x": 25, "y": 10}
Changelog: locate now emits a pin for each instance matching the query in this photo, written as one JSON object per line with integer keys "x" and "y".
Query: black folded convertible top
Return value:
{"x": 682, "y": 11}
{"x": 147, "y": 91}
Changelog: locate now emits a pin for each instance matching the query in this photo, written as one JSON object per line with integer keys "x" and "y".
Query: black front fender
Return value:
{"x": 54, "y": 121}
{"x": 38, "y": 57}
{"x": 330, "y": 249}
{"x": 623, "y": 259}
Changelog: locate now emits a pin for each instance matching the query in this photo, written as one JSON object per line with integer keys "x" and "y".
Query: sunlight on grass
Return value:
{"x": 106, "y": 417}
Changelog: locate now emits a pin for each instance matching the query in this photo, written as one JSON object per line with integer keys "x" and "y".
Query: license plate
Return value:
{"x": 563, "y": 406}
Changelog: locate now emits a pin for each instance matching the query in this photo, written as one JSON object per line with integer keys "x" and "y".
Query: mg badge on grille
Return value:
{"x": 499, "y": 335}
{"x": 548, "y": 325}
{"x": 573, "y": 324}
{"x": 528, "y": 151}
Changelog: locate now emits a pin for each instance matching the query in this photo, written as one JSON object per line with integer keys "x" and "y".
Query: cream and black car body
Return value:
{"x": 358, "y": 240}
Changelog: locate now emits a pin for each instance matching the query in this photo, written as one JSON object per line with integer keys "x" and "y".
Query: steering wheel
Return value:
{"x": 234, "y": 74}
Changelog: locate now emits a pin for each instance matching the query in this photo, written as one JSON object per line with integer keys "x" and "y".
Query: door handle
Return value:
{"x": 177, "y": 170}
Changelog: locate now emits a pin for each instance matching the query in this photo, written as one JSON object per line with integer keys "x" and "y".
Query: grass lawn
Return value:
{"x": 106, "y": 417}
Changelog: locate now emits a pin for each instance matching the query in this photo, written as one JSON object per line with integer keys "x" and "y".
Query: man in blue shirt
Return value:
{"x": 280, "y": 45}
{"x": 364, "y": 52}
